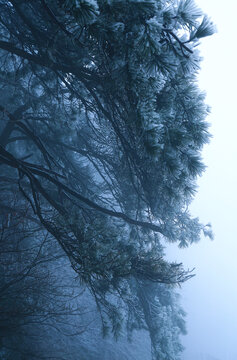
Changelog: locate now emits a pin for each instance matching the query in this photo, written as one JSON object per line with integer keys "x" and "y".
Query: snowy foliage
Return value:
{"x": 102, "y": 125}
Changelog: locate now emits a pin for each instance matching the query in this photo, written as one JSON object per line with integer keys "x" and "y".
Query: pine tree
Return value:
{"x": 101, "y": 132}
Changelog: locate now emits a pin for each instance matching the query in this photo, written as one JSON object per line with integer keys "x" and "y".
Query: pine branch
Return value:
{"x": 8, "y": 159}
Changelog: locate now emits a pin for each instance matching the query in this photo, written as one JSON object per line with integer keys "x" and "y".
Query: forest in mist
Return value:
{"x": 102, "y": 124}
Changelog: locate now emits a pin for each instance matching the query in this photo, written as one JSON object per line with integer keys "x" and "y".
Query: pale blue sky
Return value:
{"x": 211, "y": 297}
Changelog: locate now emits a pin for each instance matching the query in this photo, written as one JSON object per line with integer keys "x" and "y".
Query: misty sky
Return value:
{"x": 211, "y": 297}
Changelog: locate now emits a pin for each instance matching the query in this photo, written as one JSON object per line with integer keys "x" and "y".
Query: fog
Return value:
{"x": 66, "y": 268}
{"x": 210, "y": 298}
